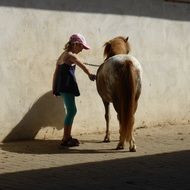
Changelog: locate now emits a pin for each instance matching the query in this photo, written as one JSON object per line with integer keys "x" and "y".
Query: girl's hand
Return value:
{"x": 92, "y": 77}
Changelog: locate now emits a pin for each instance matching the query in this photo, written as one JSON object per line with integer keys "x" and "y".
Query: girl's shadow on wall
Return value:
{"x": 46, "y": 111}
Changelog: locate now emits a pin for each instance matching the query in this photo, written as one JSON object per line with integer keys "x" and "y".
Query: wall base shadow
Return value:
{"x": 46, "y": 111}
{"x": 161, "y": 171}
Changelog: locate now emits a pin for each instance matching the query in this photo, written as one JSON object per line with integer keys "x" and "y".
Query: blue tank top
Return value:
{"x": 65, "y": 80}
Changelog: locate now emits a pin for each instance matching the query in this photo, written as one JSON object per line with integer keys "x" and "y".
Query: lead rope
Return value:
{"x": 93, "y": 65}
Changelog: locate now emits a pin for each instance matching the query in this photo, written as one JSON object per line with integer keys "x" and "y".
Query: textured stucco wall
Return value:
{"x": 33, "y": 34}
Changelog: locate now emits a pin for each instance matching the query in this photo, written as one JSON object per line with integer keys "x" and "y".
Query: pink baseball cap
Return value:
{"x": 80, "y": 39}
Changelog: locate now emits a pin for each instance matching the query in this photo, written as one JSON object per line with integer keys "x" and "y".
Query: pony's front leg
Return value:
{"x": 107, "y": 118}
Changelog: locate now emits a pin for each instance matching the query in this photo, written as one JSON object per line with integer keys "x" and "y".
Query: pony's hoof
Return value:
{"x": 106, "y": 140}
{"x": 119, "y": 147}
{"x": 133, "y": 149}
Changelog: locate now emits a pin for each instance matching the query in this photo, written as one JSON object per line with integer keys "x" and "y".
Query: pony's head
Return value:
{"x": 118, "y": 45}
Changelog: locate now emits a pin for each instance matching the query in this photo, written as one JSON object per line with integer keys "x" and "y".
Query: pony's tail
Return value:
{"x": 127, "y": 101}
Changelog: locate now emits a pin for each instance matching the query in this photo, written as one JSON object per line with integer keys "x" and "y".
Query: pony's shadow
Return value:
{"x": 46, "y": 111}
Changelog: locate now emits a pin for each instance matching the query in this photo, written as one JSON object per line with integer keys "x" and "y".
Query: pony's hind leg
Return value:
{"x": 120, "y": 145}
{"x": 132, "y": 145}
{"x": 107, "y": 118}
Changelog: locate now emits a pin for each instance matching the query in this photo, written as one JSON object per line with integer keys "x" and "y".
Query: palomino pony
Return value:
{"x": 118, "y": 81}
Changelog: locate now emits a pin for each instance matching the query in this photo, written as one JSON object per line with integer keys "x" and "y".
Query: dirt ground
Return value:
{"x": 162, "y": 161}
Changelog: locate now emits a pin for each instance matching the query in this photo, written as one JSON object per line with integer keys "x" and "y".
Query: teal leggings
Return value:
{"x": 71, "y": 110}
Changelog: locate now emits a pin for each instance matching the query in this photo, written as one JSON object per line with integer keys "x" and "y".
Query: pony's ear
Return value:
{"x": 107, "y": 44}
{"x": 126, "y": 39}
{"x": 107, "y": 48}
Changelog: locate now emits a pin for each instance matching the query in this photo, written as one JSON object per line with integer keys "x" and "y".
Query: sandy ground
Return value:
{"x": 162, "y": 161}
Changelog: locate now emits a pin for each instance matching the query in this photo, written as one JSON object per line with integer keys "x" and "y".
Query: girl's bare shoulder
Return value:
{"x": 65, "y": 57}
{"x": 70, "y": 57}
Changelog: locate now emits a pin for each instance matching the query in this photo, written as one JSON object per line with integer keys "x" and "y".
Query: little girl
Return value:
{"x": 65, "y": 84}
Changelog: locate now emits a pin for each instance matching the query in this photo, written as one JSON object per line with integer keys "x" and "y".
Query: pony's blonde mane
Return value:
{"x": 118, "y": 45}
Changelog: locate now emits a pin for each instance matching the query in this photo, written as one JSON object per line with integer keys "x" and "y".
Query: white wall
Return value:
{"x": 32, "y": 37}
